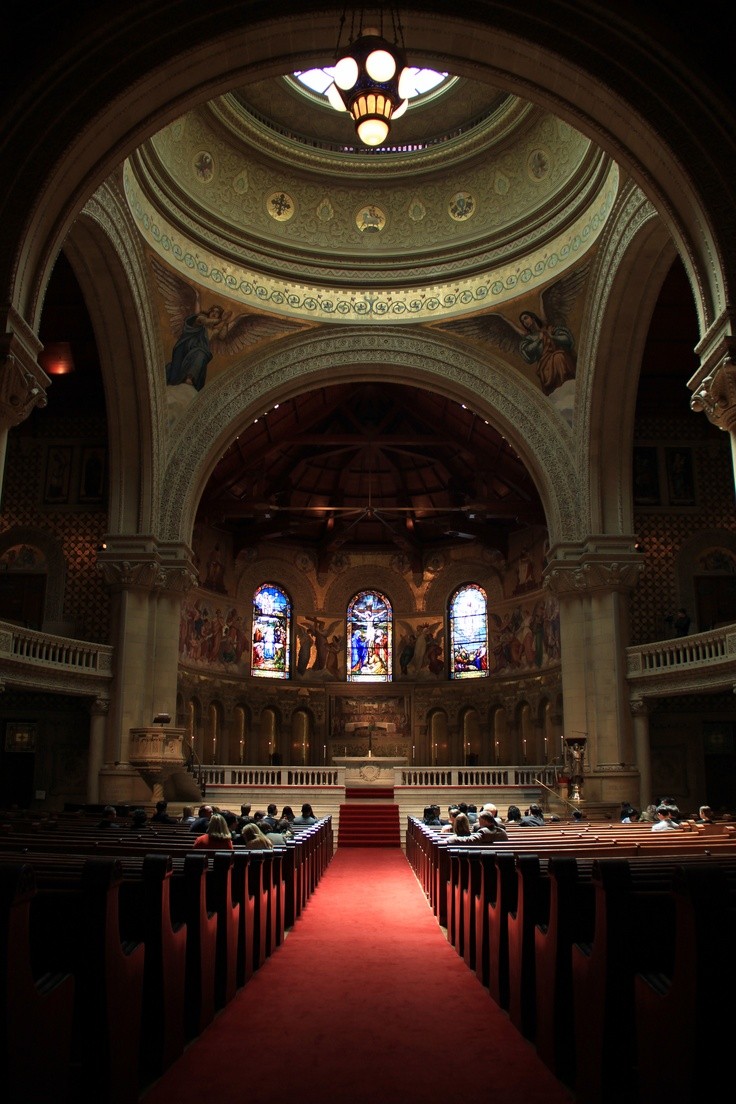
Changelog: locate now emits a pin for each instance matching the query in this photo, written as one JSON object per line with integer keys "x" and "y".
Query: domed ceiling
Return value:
{"x": 260, "y": 206}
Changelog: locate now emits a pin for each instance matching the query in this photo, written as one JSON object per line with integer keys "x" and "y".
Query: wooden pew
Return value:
{"x": 145, "y": 907}
{"x": 75, "y": 927}
{"x": 222, "y": 902}
{"x": 681, "y": 1024}
{"x": 570, "y": 919}
{"x": 37, "y": 1009}
{"x": 634, "y": 932}
{"x": 189, "y": 907}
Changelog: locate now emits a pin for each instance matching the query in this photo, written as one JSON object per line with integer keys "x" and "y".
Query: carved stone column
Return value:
{"x": 640, "y": 715}
{"x": 23, "y": 382}
{"x": 147, "y": 581}
{"x": 593, "y": 584}
{"x": 98, "y": 721}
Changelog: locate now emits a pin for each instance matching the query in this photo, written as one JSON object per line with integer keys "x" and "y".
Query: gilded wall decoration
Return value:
{"x": 280, "y": 206}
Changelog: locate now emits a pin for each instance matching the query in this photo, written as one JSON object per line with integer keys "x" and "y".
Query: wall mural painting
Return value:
{"x": 320, "y": 649}
{"x": 213, "y": 636}
{"x": 543, "y": 337}
{"x": 524, "y": 636}
{"x": 204, "y": 329}
{"x": 421, "y": 650}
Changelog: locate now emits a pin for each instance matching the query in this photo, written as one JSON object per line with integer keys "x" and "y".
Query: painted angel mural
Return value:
{"x": 421, "y": 650}
{"x": 543, "y": 338}
{"x": 202, "y": 332}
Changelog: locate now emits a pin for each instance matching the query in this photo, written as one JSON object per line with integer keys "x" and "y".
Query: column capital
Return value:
{"x": 594, "y": 572}
{"x": 715, "y": 395}
{"x": 141, "y": 562}
{"x": 641, "y": 708}
{"x": 23, "y": 382}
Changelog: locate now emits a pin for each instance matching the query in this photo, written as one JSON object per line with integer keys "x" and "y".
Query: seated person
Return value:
{"x": 487, "y": 831}
{"x": 533, "y": 817}
{"x": 109, "y": 818}
{"x": 253, "y": 838}
{"x": 161, "y": 816}
{"x": 216, "y": 837}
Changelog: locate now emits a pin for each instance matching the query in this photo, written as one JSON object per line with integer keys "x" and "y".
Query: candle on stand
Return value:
{"x": 324, "y": 753}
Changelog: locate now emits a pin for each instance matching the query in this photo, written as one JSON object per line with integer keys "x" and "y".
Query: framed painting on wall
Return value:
{"x": 20, "y": 737}
{"x": 646, "y": 476}
{"x": 58, "y": 473}
{"x": 680, "y": 479}
{"x": 92, "y": 475}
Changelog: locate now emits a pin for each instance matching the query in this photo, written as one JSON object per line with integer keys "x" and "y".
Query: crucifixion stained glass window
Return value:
{"x": 369, "y": 638}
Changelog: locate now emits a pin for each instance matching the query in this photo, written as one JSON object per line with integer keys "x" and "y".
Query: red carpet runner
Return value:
{"x": 364, "y": 1002}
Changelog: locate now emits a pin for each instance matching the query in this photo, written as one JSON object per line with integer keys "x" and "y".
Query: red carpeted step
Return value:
{"x": 372, "y": 793}
{"x": 369, "y": 826}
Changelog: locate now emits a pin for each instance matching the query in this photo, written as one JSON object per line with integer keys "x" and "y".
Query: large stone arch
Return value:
{"x": 426, "y": 359}
{"x": 348, "y": 583}
{"x": 615, "y": 332}
{"x": 105, "y": 254}
{"x": 53, "y": 553}
{"x": 594, "y": 71}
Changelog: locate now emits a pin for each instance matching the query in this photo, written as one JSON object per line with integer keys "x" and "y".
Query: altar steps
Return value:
{"x": 369, "y": 825}
{"x": 371, "y": 793}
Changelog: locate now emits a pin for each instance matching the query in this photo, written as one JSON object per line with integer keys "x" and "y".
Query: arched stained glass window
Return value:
{"x": 469, "y": 632}
{"x": 369, "y": 638}
{"x": 271, "y": 632}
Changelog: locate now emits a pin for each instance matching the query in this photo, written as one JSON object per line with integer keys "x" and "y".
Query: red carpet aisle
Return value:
{"x": 364, "y": 1001}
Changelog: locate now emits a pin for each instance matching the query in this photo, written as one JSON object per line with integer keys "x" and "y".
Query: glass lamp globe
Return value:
{"x": 380, "y": 65}
{"x": 372, "y": 131}
{"x": 346, "y": 73}
{"x": 334, "y": 98}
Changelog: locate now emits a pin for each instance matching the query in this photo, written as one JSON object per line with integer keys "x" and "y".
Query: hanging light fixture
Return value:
{"x": 56, "y": 358}
{"x": 371, "y": 79}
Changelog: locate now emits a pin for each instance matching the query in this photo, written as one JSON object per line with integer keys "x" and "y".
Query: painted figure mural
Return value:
{"x": 543, "y": 338}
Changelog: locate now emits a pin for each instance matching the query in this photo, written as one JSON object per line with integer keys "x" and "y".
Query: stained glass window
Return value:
{"x": 469, "y": 632}
{"x": 369, "y": 638}
{"x": 271, "y": 632}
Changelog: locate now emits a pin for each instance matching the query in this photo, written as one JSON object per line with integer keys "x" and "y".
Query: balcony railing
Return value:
{"x": 700, "y": 662}
{"x": 28, "y": 657}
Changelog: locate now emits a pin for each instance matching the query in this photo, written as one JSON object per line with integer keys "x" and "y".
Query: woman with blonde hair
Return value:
{"x": 254, "y": 838}
{"x": 217, "y": 837}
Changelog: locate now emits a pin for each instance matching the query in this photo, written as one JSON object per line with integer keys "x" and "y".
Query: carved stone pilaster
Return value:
{"x": 716, "y": 394}
{"x": 23, "y": 382}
